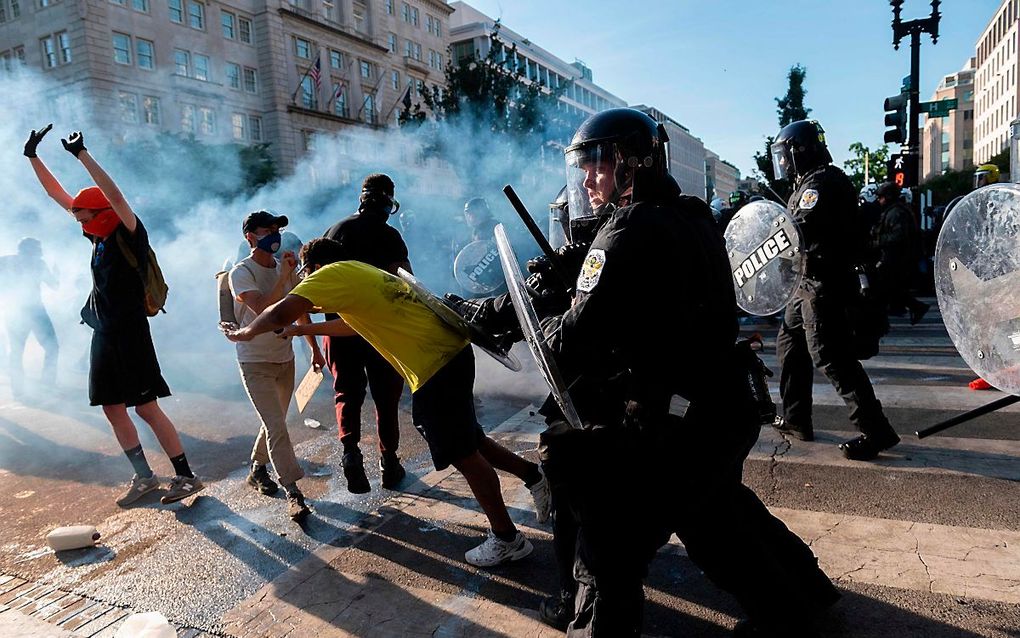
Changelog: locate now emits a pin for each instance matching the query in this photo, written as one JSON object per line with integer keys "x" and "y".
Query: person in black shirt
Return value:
{"x": 366, "y": 237}
{"x": 24, "y": 274}
{"x": 123, "y": 370}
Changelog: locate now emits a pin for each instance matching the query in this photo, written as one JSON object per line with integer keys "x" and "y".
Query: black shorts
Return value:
{"x": 123, "y": 367}
{"x": 443, "y": 411}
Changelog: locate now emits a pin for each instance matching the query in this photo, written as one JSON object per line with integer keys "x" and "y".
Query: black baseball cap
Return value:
{"x": 262, "y": 219}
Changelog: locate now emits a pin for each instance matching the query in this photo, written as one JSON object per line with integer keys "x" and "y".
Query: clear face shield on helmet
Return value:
{"x": 782, "y": 161}
{"x": 983, "y": 178}
{"x": 591, "y": 179}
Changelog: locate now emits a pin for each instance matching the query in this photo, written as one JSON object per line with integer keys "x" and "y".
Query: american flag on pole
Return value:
{"x": 338, "y": 92}
{"x": 316, "y": 73}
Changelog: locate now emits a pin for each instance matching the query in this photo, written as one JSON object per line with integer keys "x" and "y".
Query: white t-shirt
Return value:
{"x": 247, "y": 276}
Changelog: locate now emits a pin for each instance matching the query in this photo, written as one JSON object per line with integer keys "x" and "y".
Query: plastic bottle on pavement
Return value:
{"x": 151, "y": 624}
{"x": 74, "y": 537}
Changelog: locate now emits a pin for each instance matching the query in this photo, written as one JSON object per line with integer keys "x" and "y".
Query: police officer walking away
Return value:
{"x": 636, "y": 474}
{"x": 816, "y": 332}
{"x": 366, "y": 237}
{"x": 895, "y": 243}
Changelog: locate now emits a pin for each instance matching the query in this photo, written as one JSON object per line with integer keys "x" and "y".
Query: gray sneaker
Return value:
{"x": 181, "y": 487}
{"x": 138, "y": 488}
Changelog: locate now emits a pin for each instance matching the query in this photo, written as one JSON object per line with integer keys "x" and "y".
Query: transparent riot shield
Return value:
{"x": 532, "y": 331}
{"x": 476, "y": 268}
{"x": 764, "y": 247}
{"x": 977, "y": 282}
{"x": 450, "y": 317}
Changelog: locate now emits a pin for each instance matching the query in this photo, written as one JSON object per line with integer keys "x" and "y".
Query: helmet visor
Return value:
{"x": 782, "y": 163}
{"x": 981, "y": 178}
{"x": 591, "y": 180}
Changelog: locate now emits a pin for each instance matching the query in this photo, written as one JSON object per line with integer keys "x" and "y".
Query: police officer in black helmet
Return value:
{"x": 815, "y": 331}
{"x": 636, "y": 474}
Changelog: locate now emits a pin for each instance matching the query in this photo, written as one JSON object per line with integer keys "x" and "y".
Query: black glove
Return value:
{"x": 74, "y": 144}
{"x": 34, "y": 139}
{"x": 539, "y": 264}
{"x": 572, "y": 257}
{"x": 474, "y": 310}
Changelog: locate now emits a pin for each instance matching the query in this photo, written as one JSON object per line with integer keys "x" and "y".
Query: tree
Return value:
{"x": 876, "y": 161}
{"x": 488, "y": 110}
{"x": 791, "y": 106}
{"x": 790, "y": 109}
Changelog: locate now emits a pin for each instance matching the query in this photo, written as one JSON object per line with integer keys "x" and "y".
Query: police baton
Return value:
{"x": 967, "y": 416}
{"x": 536, "y": 232}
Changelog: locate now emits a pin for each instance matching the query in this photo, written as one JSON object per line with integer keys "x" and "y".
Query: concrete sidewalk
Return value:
{"x": 14, "y": 623}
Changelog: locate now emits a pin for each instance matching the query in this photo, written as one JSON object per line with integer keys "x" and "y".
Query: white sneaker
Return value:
{"x": 138, "y": 488}
{"x": 542, "y": 495}
{"x": 181, "y": 487}
{"x": 495, "y": 551}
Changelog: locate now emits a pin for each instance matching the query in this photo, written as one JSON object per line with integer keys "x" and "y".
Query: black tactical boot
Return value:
{"x": 557, "y": 611}
{"x": 784, "y": 426}
{"x": 258, "y": 478}
{"x": 866, "y": 447}
{"x": 392, "y": 471}
{"x": 354, "y": 472}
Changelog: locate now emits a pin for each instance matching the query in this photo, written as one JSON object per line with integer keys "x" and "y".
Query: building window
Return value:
{"x": 302, "y": 48}
{"x": 120, "y": 2}
{"x": 358, "y": 11}
{"x": 439, "y": 28}
{"x": 196, "y": 15}
{"x": 49, "y": 52}
{"x": 45, "y": 3}
{"x": 255, "y": 128}
{"x": 3, "y": 11}
{"x": 366, "y": 70}
{"x": 368, "y": 109}
{"x": 233, "y": 72}
{"x": 393, "y": 42}
{"x": 5, "y": 61}
{"x": 227, "y": 20}
{"x": 405, "y": 12}
{"x": 140, "y": 5}
{"x": 244, "y": 30}
{"x": 150, "y": 110}
{"x": 145, "y": 50}
{"x": 121, "y": 48}
{"x": 395, "y": 80}
{"x": 187, "y": 118}
{"x": 308, "y": 97}
{"x": 176, "y": 11}
{"x": 336, "y": 59}
{"x": 239, "y": 126}
{"x": 414, "y": 16}
{"x": 182, "y": 62}
{"x": 201, "y": 67}
{"x": 340, "y": 100}
{"x": 19, "y": 53}
{"x": 417, "y": 52}
{"x": 389, "y": 7}
{"x": 64, "y": 44}
{"x": 128, "y": 107}
{"x": 329, "y": 10}
{"x": 307, "y": 139}
{"x": 206, "y": 121}
{"x": 251, "y": 80}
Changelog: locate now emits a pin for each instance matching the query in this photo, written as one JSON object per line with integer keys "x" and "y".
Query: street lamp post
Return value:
{"x": 914, "y": 28}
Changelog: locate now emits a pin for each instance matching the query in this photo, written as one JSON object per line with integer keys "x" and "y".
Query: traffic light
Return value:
{"x": 902, "y": 170}
{"x": 896, "y": 117}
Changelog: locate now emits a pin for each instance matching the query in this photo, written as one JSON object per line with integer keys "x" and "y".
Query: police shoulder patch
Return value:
{"x": 591, "y": 270}
{"x": 808, "y": 199}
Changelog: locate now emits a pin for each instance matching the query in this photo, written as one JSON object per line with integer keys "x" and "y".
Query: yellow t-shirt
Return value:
{"x": 385, "y": 311}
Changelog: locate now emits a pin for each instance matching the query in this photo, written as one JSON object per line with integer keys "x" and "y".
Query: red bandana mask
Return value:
{"x": 102, "y": 225}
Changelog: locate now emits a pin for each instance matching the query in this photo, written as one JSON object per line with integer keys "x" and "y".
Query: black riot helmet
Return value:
{"x": 616, "y": 157}
{"x": 799, "y": 148}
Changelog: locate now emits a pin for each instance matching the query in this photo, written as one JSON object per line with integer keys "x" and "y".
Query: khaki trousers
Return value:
{"x": 270, "y": 386}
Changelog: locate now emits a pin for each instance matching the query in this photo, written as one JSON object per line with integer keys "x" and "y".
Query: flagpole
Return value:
{"x": 400, "y": 99}
{"x": 293, "y": 96}
{"x": 375, "y": 91}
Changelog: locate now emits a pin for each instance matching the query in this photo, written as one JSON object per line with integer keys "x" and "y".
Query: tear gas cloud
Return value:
{"x": 194, "y": 213}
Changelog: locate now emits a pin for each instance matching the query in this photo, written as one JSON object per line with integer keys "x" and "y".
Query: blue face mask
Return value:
{"x": 270, "y": 243}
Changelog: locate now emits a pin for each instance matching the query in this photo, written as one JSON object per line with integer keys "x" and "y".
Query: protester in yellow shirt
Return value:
{"x": 436, "y": 361}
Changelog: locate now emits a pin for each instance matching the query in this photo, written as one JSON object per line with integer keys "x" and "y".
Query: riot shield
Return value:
{"x": 977, "y": 282}
{"x": 476, "y": 268}
{"x": 764, "y": 247}
{"x": 532, "y": 331}
{"x": 453, "y": 319}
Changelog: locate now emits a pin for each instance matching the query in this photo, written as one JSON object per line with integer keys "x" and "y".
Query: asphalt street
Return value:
{"x": 921, "y": 541}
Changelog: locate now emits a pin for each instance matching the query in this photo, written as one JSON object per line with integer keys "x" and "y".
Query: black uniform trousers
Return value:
{"x": 816, "y": 334}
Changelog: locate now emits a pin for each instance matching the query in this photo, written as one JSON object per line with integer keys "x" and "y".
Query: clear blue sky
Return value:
{"x": 717, "y": 65}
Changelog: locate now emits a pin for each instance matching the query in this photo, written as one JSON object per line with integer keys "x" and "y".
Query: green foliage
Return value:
{"x": 790, "y": 109}
{"x": 876, "y": 164}
{"x": 791, "y": 106}
{"x": 257, "y": 165}
{"x": 949, "y": 185}
{"x": 487, "y": 104}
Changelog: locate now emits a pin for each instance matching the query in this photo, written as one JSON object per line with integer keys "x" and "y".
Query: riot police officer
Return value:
{"x": 816, "y": 332}
{"x": 897, "y": 249}
{"x": 653, "y": 316}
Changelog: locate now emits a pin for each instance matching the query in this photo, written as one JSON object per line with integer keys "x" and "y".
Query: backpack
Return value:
{"x": 224, "y": 296}
{"x": 156, "y": 290}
